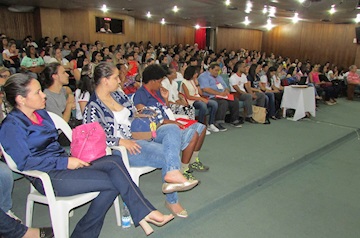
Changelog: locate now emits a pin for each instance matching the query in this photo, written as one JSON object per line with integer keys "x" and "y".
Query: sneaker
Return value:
{"x": 236, "y": 124}
{"x": 220, "y": 127}
{"x": 12, "y": 215}
{"x": 208, "y": 132}
{"x": 213, "y": 128}
{"x": 198, "y": 166}
{"x": 188, "y": 174}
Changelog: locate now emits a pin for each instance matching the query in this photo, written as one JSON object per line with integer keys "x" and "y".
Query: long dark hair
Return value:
{"x": 46, "y": 75}
{"x": 28, "y": 51}
{"x": 17, "y": 84}
{"x": 271, "y": 69}
{"x": 190, "y": 71}
{"x": 86, "y": 84}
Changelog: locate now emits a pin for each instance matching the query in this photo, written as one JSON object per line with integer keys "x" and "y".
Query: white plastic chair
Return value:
{"x": 59, "y": 206}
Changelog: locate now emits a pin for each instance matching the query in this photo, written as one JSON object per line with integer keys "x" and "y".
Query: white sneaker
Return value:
{"x": 213, "y": 128}
{"x": 12, "y": 215}
{"x": 208, "y": 132}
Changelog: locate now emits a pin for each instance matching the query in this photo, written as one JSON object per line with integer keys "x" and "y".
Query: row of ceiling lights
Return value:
{"x": 270, "y": 10}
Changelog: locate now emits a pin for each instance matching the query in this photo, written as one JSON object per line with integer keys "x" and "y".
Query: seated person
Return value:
{"x": 32, "y": 61}
{"x": 151, "y": 94}
{"x": 115, "y": 112}
{"x": 29, "y": 136}
{"x": 273, "y": 93}
{"x": 11, "y": 58}
{"x": 353, "y": 77}
{"x": 213, "y": 85}
{"x": 177, "y": 102}
{"x": 59, "y": 98}
{"x": 128, "y": 83}
{"x": 322, "y": 86}
{"x": 241, "y": 89}
{"x": 192, "y": 92}
{"x": 10, "y": 228}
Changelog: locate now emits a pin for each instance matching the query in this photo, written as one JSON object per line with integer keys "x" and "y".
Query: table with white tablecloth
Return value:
{"x": 302, "y": 99}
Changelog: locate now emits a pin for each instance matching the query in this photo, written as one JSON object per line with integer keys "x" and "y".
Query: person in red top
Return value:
{"x": 133, "y": 64}
{"x": 353, "y": 77}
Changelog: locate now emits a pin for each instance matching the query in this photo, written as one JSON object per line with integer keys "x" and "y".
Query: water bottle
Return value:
{"x": 125, "y": 218}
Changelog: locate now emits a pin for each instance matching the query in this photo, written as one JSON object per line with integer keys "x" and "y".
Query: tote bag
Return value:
{"x": 259, "y": 114}
{"x": 88, "y": 142}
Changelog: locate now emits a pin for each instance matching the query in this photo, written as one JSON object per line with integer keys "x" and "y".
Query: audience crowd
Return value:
{"x": 85, "y": 82}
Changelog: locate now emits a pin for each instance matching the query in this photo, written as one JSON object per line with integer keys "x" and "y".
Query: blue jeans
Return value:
{"x": 271, "y": 105}
{"x": 163, "y": 152}
{"x": 107, "y": 175}
{"x": 188, "y": 133}
{"x": 10, "y": 228}
{"x": 211, "y": 105}
{"x": 6, "y": 186}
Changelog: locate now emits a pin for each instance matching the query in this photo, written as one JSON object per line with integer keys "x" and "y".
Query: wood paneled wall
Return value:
{"x": 315, "y": 41}
{"x": 166, "y": 34}
{"x": 234, "y": 39}
{"x": 16, "y": 25}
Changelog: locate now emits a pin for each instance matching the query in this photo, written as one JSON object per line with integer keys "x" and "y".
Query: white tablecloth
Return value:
{"x": 300, "y": 99}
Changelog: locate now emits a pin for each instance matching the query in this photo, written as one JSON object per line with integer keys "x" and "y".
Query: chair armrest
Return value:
{"x": 45, "y": 179}
{"x": 124, "y": 155}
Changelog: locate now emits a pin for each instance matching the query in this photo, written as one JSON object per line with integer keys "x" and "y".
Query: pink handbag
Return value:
{"x": 88, "y": 142}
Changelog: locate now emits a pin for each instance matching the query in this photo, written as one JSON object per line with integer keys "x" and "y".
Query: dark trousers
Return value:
{"x": 107, "y": 175}
{"x": 223, "y": 106}
{"x": 10, "y": 228}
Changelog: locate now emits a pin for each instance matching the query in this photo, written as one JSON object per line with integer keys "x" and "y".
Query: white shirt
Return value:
{"x": 240, "y": 81}
{"x": 80, "y": 98}
{"x": 192, "y": 89}
{"x": 122, "y": 118}
{"x": 172, "y": 88}
{"x": 275, "y": 81}
{"x": 264, "y": 79}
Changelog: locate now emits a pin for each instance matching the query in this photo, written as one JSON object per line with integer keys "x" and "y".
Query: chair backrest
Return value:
{"x": 9, "y": 161}
{"x": 61, "y": 124}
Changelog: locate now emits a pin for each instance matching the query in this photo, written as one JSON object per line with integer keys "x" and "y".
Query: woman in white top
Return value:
{"x": 192, "y": 91}
{"x": 11, "y": 58}
{"x": 82, "y": 94}
{"x": 273, "y": 93}
{"x": 178, "y": 104}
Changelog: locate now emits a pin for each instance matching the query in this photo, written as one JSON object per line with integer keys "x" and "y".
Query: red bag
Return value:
{"x": 88, "y": 142}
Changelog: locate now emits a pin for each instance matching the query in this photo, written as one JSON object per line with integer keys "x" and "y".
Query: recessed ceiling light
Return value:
{"x": 295, "y": 18}
{"x": 104, "y": 8}
{"x": 175, "y": 9}
{"x": 148, "y": 14}
{"x": 246, "y": 21}
{"x": 163, "y": 21}
{"x": 197, "y": 26}
{"x": 227, "y": 2}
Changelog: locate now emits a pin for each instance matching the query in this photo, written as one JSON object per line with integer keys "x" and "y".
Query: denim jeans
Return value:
{"x": 6, "y": 186}
{"x": 211, "y": 105}
{"x": 163, "y": 152}
{"x": 107, "y": 175}
{"x": 271, "y": 104}
{"x": 10, "y": 228}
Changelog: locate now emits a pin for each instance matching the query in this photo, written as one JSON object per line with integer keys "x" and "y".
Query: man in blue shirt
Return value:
{"x": 214, "y": 87}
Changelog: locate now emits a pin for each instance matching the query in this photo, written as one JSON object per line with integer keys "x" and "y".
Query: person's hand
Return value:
{"x": 70, "y": 102}
{"x": 131, "y": 145}
{"x": 75, "y": 163}
{"x": 254, "y": 96}
{"x": 11, "y": 61}
{"x": 181, "y": 126}
{"x": 225, "y": 93}
{"x": 164, "y": 92}
{"x": 205, "y": 100}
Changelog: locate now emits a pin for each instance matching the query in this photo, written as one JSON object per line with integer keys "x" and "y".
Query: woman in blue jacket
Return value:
{"x": 30, "y": 137}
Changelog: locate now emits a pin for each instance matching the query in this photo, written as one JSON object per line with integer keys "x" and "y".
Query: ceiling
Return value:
{"x": 212, "y": 13}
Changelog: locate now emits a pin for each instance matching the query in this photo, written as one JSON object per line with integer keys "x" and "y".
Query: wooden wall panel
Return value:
{"x": 166, "y": 34}
{"x": 234, "y": 39}
{"x": 16, "y": 25}
{"x": 314, "y": 41}
{"x": 50, "y": 22}
{"x": 75, "y": 24}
